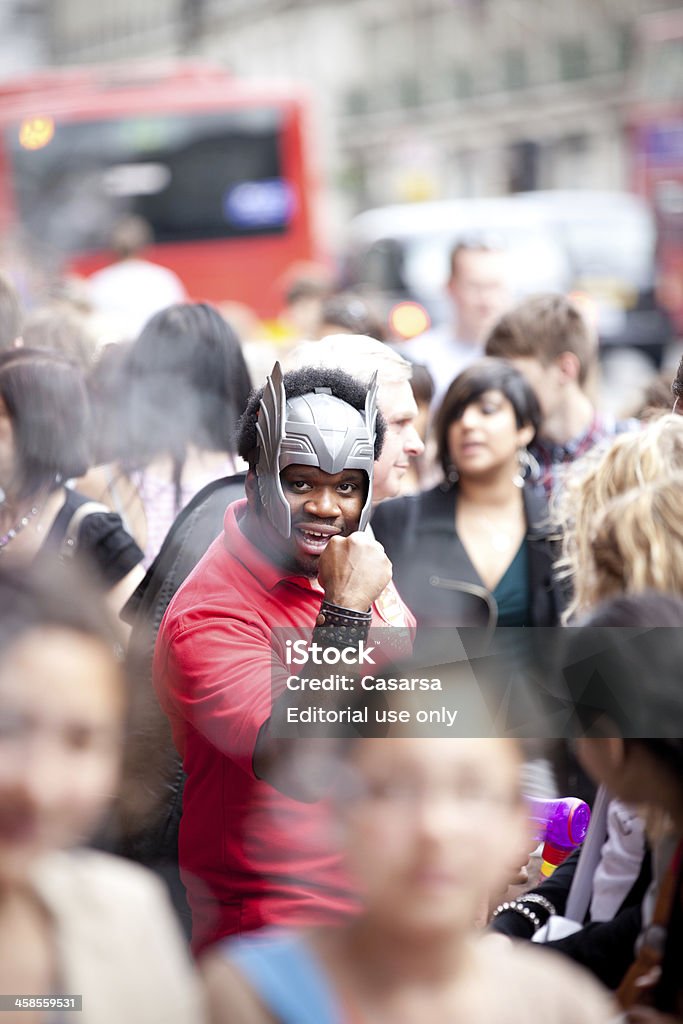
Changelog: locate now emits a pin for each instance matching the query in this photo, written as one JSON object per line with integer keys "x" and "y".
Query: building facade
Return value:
{"x": 412, "y": 98}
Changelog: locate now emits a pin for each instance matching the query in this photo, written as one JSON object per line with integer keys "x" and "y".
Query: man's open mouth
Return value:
{"x": 314, "y": 540}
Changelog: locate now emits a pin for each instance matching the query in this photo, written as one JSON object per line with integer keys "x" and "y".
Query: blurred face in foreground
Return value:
{"x": 432, "y": 826}
{"x": 61, "y": 728}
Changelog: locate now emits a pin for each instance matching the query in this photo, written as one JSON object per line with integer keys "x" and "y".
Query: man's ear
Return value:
{"x": 570, "y": 366}
{"x": 251, "y": 490}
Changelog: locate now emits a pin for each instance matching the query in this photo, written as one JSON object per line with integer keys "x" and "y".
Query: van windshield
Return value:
{"x": 616, "y": 245}
{"x": 536, "y": 262}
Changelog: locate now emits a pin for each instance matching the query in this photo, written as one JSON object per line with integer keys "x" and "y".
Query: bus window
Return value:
{"x": 191, "y": 176}
{"x": 219, "y": 169}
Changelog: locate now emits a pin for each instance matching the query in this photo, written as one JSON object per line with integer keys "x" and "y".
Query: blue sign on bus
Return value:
{"x": 268, "y": 203}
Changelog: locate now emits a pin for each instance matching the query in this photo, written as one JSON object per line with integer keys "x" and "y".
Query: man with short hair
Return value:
{"x": 478, "y": 291}
{"x": 548, "y": 339}
{"x": 292, "y": 554}
{"x": 132, "y": 289}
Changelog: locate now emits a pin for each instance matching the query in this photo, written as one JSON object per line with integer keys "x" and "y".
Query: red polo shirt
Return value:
{"x": 249, "y": 856}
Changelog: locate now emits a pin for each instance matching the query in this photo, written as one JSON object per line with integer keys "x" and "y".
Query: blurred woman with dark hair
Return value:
{"x": 182, "y": 388}
{"x": 485, "y": 530}
{"x": 43, "y": 444}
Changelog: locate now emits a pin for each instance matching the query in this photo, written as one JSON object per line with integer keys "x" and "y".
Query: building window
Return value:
{"x": 463, "y": 86}
{"x": 573, "y": 57}
{"x": 625, "y": 47}
{"x": 356, "y": 102}
{"x": 514, "y": 69}
{"x": 408, "y": 91}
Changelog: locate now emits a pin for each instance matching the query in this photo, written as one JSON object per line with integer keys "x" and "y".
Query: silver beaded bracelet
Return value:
{"x": 541, "y": 901}
{"x": 518, "y": 908}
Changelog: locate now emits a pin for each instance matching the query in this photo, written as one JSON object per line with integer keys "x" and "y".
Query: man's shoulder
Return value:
{"x": 233, "y": 584}
{"x": 434, "y": 501}
{"x": 608, "y": 426}
{"x": 392, "y": 511}
{"x": 219, "y": 586}
{"x": 443, "y": 336}
{"x": 142, "y": 273}
{"x": 155, "y": 272}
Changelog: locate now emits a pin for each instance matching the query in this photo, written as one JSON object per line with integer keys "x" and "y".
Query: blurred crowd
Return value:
{"x": 184, "y": 492}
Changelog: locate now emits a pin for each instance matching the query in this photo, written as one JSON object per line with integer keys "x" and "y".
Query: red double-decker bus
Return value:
{"x": 217, "y": 167}
{"x": 656, "y": 131}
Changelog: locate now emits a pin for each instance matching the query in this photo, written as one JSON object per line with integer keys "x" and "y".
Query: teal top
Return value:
{"x": 512, "y": 592}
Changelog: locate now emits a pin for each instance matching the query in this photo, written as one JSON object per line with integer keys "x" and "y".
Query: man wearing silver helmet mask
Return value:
{"x": 293, "y": 554}
{"x": 312, "y": 455}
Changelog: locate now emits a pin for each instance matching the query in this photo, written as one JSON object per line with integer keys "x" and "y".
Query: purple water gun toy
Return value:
{"x": 561, "y": 826}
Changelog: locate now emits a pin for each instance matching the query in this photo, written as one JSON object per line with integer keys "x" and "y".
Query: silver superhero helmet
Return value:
{"x": 316, "y": 429}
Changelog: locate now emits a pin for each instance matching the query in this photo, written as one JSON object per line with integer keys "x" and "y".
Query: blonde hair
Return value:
{"x": 631, "y": 461}
{"x": 358, "y": 354}
{"x": 637, "y": 544}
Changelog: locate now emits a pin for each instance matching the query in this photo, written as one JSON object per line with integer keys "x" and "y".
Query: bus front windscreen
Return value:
{"x": 191, "y": 176}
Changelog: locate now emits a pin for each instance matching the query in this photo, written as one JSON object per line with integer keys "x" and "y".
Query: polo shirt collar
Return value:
{"x": 240, "y": 547}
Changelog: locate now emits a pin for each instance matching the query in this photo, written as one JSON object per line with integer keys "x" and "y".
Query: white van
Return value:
{"x": 599, "y": 244}
{"x": 403, "y": 252}
{"x": 610, "y": 240}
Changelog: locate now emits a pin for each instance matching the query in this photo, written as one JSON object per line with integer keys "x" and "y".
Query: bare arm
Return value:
{"x": 118, "y": 596}
{"x": 229, "y": 998}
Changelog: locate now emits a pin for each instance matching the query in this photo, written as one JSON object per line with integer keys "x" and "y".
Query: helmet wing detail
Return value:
{"x": 270, "y": 431}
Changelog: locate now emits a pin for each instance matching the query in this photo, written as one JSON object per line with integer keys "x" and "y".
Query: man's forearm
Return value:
{"x": 347, "y": 631}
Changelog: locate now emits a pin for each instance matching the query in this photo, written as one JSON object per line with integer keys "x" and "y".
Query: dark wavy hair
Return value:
{"x": 303, "y": 382}
{"x": 484, "y": 375}
{"x": 46, "y": 400}
{"x": 187, "y": 383}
